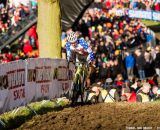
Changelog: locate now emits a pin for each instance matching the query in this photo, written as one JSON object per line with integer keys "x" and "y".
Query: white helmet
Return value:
{"x": 72, "y": 37}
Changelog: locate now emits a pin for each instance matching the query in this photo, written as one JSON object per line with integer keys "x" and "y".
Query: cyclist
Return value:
{"x": 78, "y": 51}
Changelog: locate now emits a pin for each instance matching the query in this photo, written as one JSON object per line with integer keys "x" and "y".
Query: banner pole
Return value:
{"x": 32, "y": 110}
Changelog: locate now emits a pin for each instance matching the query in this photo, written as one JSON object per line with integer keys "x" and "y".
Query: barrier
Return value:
{"x": 22, "y": 82}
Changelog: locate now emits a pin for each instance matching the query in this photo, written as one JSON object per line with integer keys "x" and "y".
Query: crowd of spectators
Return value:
{"x": 25, "y": 47}
{"x": 113, "y": 38}
{"x": 12, "y": 13}
{"x": 134, "y": 4}
{"x": 125, "y": 59}
{"x": 123, "y": 51}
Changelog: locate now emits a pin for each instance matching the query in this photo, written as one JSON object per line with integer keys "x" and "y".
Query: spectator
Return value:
{"x": 136, "y": 86}
{"x": 154, "y": 93}
{"x": 140, "y": 63}
{"x": 130, "y": 96}
{"x": 149, "y": 63}
{"x": 157, "y": 61}
{"x": 27, "y": 48}
{"x": 116, "y": 69}
{"x": 103, "y": 72}
{"x": 129, "y": 62}
{"x": 143, "y": 94}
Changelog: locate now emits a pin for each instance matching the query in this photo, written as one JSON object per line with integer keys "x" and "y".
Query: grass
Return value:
{"x": 153, "y": 25}
{"x": 149, "y": 23}
{"x": 14, "y": 119}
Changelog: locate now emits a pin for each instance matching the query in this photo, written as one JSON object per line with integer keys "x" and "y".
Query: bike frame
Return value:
{"x": 79, "y": 81}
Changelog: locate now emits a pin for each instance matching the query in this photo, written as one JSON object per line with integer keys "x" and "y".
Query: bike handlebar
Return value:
{"x": 78, "y": 62}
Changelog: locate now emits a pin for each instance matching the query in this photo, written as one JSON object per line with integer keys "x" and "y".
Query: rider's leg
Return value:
{"x": 88, "y": 83}
{"x": 74, "y": 96}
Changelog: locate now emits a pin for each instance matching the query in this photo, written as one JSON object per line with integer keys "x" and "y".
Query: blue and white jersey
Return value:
{"x": 81, "y": 47}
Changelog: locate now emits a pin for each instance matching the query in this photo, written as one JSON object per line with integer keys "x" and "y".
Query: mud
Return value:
{"x": 113, "y": 116}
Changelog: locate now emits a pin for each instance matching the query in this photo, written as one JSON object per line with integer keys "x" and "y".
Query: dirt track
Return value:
{"x": 116, "y": 116}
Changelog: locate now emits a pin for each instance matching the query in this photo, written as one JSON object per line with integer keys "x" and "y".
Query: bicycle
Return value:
{"x": 78, "y": 86}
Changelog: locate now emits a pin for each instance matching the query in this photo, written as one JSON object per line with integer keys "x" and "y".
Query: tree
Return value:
{"x": 49, "y": 29}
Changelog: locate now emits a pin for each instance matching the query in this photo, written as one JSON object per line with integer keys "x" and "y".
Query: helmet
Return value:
{"x": 71, "y": 37}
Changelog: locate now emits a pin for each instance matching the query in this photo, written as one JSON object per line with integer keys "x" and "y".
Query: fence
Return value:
{"x": 22, "y": 82}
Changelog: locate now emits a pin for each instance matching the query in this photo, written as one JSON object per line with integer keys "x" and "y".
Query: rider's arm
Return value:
{"x": 68, "y": 50}
{"x": 85, "y": 45}
{"x": 90, "y": 54}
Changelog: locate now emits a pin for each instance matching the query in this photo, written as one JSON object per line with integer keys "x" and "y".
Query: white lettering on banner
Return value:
{"x": 156, "y": 16}
{"x": 120, "y": 13}
{"x": 140, "y": 14}
{"x": 16, "y": 78}
{"x": 151, "y": 15}
{"x": 131, "y": 13}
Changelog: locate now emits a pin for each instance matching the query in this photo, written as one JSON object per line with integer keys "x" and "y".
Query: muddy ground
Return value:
{"x": 114, "y": 116}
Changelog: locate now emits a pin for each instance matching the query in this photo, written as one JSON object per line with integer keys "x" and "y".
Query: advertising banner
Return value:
{"x": 22, "y": 82}
{"x": 43, "y": 78}
{"x": 156, "y": 16}
{"x": 16, "y": 83}
{"x": 30, "y": 83}
{"x": 4, "y": 92}
{"x": 141, "y": 14}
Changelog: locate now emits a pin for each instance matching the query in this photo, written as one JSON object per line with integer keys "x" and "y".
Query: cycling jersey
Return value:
{"x": 81, "y": 48}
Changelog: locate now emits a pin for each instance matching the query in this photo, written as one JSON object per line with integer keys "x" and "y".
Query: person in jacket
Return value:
{"x": 155, "y": 93}
{"x": 157, "y": 61}
{"x": 140, "y": 64}
{"x": 129, "y": 63}
{"x": 103, "y": 72}
{"x": 136, "y": 86}
{"x": 143, "y": 93}
{"x": 116, "y": 69}
{"x": 129, "y": 96}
